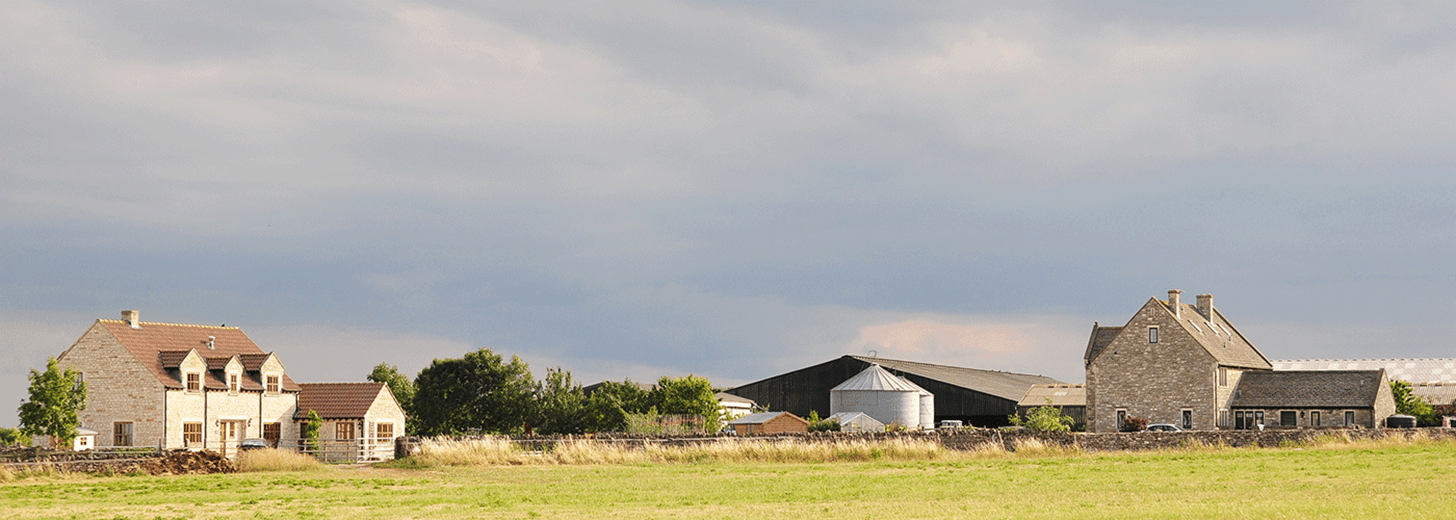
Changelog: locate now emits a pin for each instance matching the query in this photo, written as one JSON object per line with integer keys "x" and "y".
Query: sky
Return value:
{"x": 640, "y": 189}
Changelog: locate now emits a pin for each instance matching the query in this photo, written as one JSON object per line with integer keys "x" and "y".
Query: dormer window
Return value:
{"x": 194, "y": 382}
{"x": 1152, "y": 334}
{"x": 272, "y": 384}
{"x": 233, "y": 383}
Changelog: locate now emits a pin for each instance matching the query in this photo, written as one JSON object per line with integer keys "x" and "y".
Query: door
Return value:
{"x": 231, "y": 435}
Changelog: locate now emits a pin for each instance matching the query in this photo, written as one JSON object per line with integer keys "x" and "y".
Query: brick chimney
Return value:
{"x": 132, "y": 318}
{"x": 1173, "y": 303}
{"x": 1205, "y": 306}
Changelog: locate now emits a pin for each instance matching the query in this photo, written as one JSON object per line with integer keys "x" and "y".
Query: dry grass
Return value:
{"x": 494, "y": 451}
{"x": 6, "y": 475}
{"x": 276, "y": 460}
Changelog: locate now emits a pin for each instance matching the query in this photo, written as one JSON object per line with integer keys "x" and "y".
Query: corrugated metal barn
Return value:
{"x": 976, "y": 397}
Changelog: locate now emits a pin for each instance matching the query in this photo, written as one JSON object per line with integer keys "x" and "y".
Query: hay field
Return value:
{"x": 1327, "y": 480}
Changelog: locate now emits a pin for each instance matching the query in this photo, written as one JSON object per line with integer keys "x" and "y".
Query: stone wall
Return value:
{"x": 1007, "y": 439}
{"x": 118, "y": 389}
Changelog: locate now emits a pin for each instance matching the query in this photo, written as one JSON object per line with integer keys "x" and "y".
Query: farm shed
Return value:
{"x": 769, "y": 422}
{"x": 857, "y": 422}
{"x": 974, "y": 396}
{"x": 1072, "y": 399}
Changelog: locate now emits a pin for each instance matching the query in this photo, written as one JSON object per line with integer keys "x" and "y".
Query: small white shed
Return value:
{"x": 857, "y": 422}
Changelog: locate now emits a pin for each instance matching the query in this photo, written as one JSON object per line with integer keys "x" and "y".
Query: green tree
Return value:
{"x": 402, "y": 388}
{"x": 689, "y": 395}
{"x": 1045, "y": 418}
{"x": 479, "y": 391}
{"x": 559, "y": 404}
{"x": 311, "y": 433}
{"x": 1408, "y": 403}
{"x": 13, "y": 437}
{"x": 56, "y": 398}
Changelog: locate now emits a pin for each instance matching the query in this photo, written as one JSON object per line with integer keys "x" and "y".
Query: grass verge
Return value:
{"x": 276, "y": 460}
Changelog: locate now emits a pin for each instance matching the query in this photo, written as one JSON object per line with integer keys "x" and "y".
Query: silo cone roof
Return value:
{"x": 876, "y": 378}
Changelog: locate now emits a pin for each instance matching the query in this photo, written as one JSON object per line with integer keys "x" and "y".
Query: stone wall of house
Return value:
{"x": 1156, "y": 381}
{"x": 119, "y": 389}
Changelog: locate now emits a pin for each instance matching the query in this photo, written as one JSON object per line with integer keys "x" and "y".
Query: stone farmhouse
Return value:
{"x": 170, "y": 385}
{"x": 1188, "y": 366}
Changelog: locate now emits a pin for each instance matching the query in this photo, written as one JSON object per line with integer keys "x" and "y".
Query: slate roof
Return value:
{"x": 1308, "y": 389}
{"x": 156, "y": 344}
{"x": 1101, "y": 336}
{"x": 1006, "y": 385}
{"x": 1060, "y": 395}
{"x": 338, "y": 400}
{"x": 1411, "y": 370}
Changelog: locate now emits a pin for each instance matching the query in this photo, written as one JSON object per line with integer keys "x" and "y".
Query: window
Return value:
{"x": 1349, "y": 418}
{"x": 194, "y": 381}
{"x": 344, "y": 431}
{"x": 272, "y": 384}
{"x": 192, "y": 433}
{"x": 233, "y": 383}
{"x": 121, "y": 434}
{"x": 1258, "y": 417}
{"x": 1222, "y": 376}
{"x": 83, "y": 441}
{"x": 1152, "y": 334}
{"x": 1223, "y": 418}
{"x": 1121, "y": 419}
{"x": 272, "y": 432}
{"x": 1314, "y": 419}
{"x": 1187, "y": 419}
{"x": 1288, "y": 418}
{"x": 384, "y": 431}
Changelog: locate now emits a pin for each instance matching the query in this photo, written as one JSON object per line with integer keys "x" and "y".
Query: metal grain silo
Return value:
{"x": 879, "y": 394}
{"x": 927, "y": 406}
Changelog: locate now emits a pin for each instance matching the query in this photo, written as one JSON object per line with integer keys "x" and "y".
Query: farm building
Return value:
{"x": 884, "y": 396}
{"x": 360, "y": 420}
{"x": 1072, "y": 399}
{"x": 733, "y": 406}
{"x": 977, "y": 397}
{"x": 1433, "y": 379}
{"x": 769, "y": 422}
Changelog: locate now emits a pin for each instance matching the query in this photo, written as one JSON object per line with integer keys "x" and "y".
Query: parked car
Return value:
{"x": 253, "y": 444}
{"x": 1163, "y": 427}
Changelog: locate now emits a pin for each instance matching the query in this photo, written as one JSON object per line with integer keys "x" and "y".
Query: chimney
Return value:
{"x": 132, "y": 319}
{"x": 1174, "y": 304}
{"x": 1205, "y": 306}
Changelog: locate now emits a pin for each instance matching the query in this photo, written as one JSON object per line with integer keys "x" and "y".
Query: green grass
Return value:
{"x": 1330, "y": 481}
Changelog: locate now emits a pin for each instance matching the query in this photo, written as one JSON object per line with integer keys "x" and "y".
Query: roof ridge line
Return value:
{"x": 163, "y": 323}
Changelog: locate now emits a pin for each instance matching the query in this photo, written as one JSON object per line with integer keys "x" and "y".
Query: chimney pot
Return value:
{"x": 132, "y": 319}
{"x": 1205, "y": 306}
{"x": 1174, "y": 304}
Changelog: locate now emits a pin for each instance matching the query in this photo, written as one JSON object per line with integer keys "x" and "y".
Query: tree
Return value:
{"x": 402, "y": 388}
{"x": 690, "y": 395}
{"x": 477, "y": 392}
{"x": 56, "y": 398}
{"x": 1408, "y": 403}
{"x": 1046, "y": 418}
{"x": 311, "y": 433}
{"x": 559, "y": 404}
{"x": 13, "y": 437}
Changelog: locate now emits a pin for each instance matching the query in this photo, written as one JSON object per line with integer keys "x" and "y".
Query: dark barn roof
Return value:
{"x": 1308, "y": 389}
{"x": 979, "y": 396}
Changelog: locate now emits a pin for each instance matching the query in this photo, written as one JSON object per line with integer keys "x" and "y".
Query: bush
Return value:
{"x": 1046, "y": 418}
{"x": 1134, "y": 424}
{"x": 822, "y": 425}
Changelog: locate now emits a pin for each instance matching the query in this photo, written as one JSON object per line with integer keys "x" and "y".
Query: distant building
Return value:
{"x": 857, "y": 422}
{"x": 1072, "y": 399}
{"x": 768, "y": 422}
{"x": 360, "y": 420}
{"x": 1433, "y": 379}
{"x": 734, "y": 406}
{"x": 975, "y": 396}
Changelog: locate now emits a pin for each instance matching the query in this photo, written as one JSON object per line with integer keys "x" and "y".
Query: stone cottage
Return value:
{"x": 359, "y": 420}
{"x": 172, "y": 385}
{"x": 1188, "y": 366}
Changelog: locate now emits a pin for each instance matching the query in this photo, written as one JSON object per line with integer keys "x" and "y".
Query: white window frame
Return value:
{"x": 1153, "y": 334}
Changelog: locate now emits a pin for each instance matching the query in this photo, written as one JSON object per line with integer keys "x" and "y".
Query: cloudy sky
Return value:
{"x": 638, "y": 189}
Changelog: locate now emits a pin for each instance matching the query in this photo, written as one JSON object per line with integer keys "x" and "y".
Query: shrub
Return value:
{"x": 1134, "y": 424}
{"x": 822, "y": 425}
{"x": 1045, "y": 418}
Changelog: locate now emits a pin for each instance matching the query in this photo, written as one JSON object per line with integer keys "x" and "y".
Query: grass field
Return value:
{"x": 1333, "y": 481}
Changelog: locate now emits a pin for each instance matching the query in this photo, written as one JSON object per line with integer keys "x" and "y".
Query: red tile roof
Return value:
{"x": 156, "y": 344}
{"x": 340, "y": 400}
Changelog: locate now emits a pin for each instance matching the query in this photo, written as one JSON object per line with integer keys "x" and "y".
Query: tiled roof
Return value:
{"x": 339, "y": 400}
{"x": 760, "y": 418}
{"x": 1411, "y": 370}
{"x": 1308, "y": 389}
{"x": 153, "y": 341}
{"x": 1006, "y": 385}
{"x": 253, "y": 362}
{"x": 172, "y": 358}
{"x": 1060, "y": 395}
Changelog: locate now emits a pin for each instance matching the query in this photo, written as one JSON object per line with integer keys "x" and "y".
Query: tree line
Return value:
{"x": 483, "y": 393}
